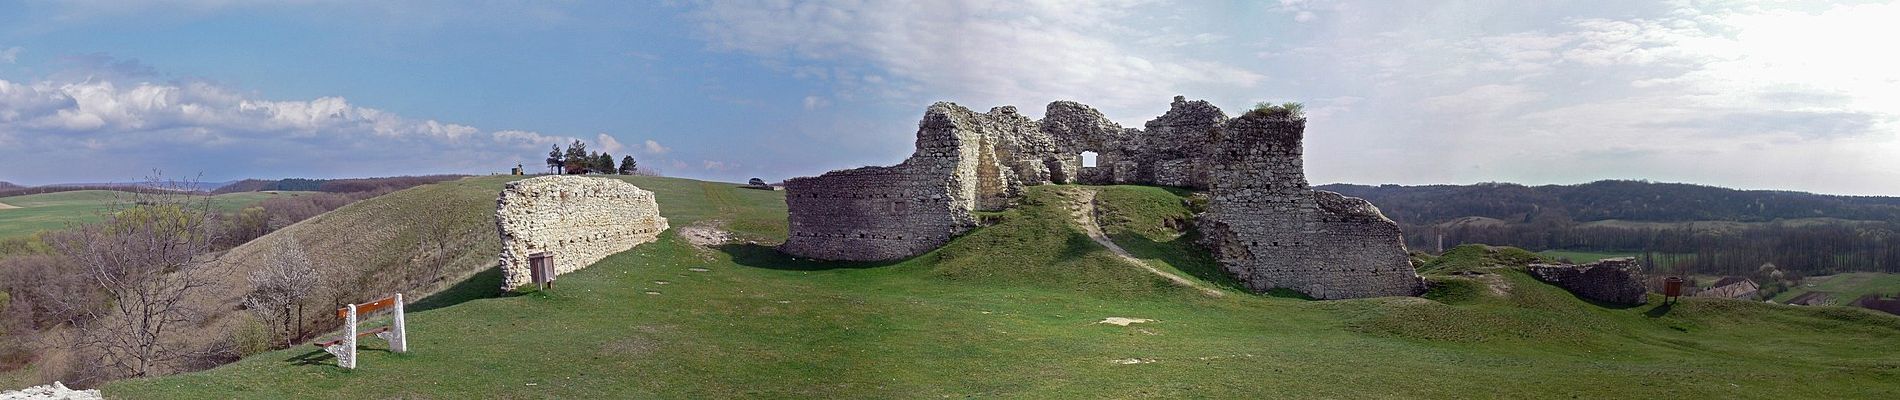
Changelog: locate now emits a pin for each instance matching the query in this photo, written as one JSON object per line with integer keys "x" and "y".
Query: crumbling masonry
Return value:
{"x": 1264, "y": 224}
{"x": 579, "y": 220}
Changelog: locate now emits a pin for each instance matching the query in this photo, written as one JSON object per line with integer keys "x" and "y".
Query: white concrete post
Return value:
{"x": 347, "y": 357}
{"x": 399, "y": 341}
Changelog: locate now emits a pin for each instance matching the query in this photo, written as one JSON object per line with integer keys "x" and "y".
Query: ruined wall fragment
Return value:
{"x": 1270, "y": 230}
{"x": 579, "y": 219}
{"x": 887, "y": 213}
{"x": 1614, "y": 281}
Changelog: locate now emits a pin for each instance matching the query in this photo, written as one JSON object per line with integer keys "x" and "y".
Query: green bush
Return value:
{"x": 4, "y": 299}
{"x": 1282, "y": 110}
{"x": 251, "y": 337}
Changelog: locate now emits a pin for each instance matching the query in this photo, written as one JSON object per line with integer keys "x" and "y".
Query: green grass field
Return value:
{"x": 1846, "y": 287}
{"x": 54, "y": 211}
{"x": 1010, "y": 310}
{"x": 1582, "y": 257}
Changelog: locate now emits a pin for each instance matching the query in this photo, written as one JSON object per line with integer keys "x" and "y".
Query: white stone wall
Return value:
{"x": 579, "y": 219}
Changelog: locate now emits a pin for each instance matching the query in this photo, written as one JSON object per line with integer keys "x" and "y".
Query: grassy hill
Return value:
{"x": 51, "y": 211}
{"x": 1011, "y": 310}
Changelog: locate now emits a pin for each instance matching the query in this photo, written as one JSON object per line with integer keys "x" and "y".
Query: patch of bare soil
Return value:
{"x": 632, "y": 346}
{"x": 1491, "y": 280}
{"x": 4, "y": 206}
{"x": 705, "y": 235}
{"x": 1119, "y": 321}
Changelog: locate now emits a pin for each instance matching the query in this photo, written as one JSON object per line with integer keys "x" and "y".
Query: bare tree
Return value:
{"x": 146, "y": 259}
{"x": 280, "y": 288}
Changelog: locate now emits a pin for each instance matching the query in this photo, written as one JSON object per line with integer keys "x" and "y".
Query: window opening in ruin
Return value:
{"x": 1088, "y": 159}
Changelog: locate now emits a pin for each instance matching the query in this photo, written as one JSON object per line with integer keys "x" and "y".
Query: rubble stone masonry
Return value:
{"x": 1612, "y": 280}
{"x": 1264, "y": 223}
{"x": 1270, "y": 230}
{"x": 579, "y": 219}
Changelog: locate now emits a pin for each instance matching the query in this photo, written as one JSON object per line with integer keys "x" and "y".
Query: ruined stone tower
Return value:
{"x": 1270, "y": 230}
{"x": 1264, "y": 224}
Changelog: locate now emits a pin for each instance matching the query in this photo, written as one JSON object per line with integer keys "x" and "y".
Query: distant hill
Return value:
{"x": 7, "y": 185}
{"x": 333, "y": 185}
{"x": 261, "y": 185}
{"x": 1613, "y": 200}
{"x": 1704, "y": 229}
{"x": 166, "y": 184}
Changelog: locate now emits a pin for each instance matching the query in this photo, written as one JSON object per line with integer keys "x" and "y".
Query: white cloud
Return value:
{"x": 717, "y": 166}
{"x": 1484, "y": 101}
{"x": 608, "y": 144}
{"x": 198, "y": 123}
{"x": 10, "y": 55}
{"x": 1781, "y": 95}
{"x": 815, "y": 102}
{"x": 655, "y": 148}
{"x": 983, "y": 53}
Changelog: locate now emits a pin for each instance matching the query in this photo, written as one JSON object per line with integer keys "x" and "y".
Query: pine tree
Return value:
{"x": 554, "y": 159}
{"x": 577, "y": 155}
{"x": 606, "y": 163}
{"x": 627, "y": 166}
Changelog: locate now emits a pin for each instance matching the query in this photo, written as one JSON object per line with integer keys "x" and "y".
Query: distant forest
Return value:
{"x": 1701, "y": 229}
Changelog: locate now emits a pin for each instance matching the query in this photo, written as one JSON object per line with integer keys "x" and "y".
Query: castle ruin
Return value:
{"x": 1264, "y": 223}
{"x": 579, "y": 220}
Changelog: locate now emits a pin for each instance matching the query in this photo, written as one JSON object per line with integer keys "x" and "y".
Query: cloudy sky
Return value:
{"x": 1797, "y": 95}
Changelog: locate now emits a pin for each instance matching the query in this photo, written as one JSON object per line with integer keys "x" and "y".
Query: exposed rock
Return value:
{"x": 1615, "y": 280}
{"x": 1266, "y": 225}
{"x": 52, "y": 391}
{"x": 579, "y": 219}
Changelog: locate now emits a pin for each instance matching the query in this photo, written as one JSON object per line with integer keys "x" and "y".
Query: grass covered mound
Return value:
{"x": 1012, "y": 310}
{"x": 1472, "y": 257}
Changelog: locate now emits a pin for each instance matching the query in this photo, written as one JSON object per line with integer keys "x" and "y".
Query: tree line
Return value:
{"x": 1801, "y": 233}
{"x": 1813, "y": 249}
{"x": 576, "y": 159}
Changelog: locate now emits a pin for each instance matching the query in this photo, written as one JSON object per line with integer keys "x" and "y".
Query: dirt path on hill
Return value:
{"x": 4, "y": 206}
{"x": 1083, "y": 209}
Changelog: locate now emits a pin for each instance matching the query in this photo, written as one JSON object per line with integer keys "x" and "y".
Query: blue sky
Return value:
{"x": 1784, "y": 95}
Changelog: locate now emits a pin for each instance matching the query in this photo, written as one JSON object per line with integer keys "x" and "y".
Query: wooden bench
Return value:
{"x": 396, "y": 333}
{"x": 339, "y": 340}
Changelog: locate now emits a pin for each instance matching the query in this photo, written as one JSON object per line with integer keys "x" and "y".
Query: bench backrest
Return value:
{"x": 367, "y": 308}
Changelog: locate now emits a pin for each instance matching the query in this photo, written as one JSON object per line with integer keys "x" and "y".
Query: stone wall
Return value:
{"x": 579, "y": 219}
{"x": 1614, "y": 281}
{"x": 1269, "y": 229}
{"x": 1265, "y": 224}
{"x": 964, "y": 162}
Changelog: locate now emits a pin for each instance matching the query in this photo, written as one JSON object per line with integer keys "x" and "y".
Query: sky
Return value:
{"x": 1777, "y": 95}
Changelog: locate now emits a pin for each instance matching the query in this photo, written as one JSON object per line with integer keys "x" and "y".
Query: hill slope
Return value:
{"x": 1011, "y": 310}
{"x": 1613, "y": 199}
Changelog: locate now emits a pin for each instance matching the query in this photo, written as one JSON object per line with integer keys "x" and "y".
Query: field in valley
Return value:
{"x": 53, "y": 211}
{"x": 1846, "y": 287}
